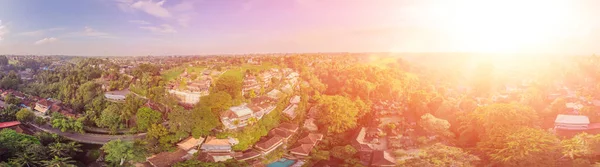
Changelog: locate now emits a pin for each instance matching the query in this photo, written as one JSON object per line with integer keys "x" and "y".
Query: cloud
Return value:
{"x": 39, "y": 32}
{"x": 90, "y": 32}
{"x": 152, "y": 8}
{"x": 141, "y": 22}
{"x": 164, "y": 28}
{"x": 3, "y": 30}
{"x": 46, "y": 41}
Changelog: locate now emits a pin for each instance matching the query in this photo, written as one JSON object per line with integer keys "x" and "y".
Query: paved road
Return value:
{"x": 88, "y": 137}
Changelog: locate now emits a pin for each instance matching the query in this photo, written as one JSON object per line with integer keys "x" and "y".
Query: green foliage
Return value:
{"x": 67, "y": 124}
{"x": 343, "y": 152}
{"x": 110, "y": 118}
{"x": 14, "y": 142}
{"x": 120, "y": 152}
{"x": 10, "y": 81}
{"x": 441, "y": 155}
{"x": 24, "y": 115}
{"x": 230, "y": 82}
{"x": 197, "y": 163}
{"x": 338, "y": 113}
{"x": 8, "y": 113}
{"x": 146, "y": 116}
{"x": 522, "y": 147}
{"x": 3, "y": 60}
{"x": 59, "y": 162}
{"x": 11, "y": 99}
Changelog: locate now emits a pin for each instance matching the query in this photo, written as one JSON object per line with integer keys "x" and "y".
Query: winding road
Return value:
{"x": 87, "y": 137}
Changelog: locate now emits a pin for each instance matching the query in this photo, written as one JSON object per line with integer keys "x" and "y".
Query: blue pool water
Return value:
{"x": 282, "y": 163}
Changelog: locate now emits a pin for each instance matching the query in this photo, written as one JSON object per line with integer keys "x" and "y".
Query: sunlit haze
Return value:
{"x": 190, "y": 27}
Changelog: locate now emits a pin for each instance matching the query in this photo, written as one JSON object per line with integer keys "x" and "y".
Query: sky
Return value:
{"x": 195, "y": 27}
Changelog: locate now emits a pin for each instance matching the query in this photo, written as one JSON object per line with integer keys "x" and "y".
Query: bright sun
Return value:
{"x": 508, "y": 26}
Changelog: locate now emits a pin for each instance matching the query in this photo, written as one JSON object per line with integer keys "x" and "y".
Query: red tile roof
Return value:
{"x": 248, "y": 155}
{"x": 281, "y": 132}
{"x": 311, "y": 138}
{"x": 290, "y": 127}
{"x": 44, "y": 102}
{"x": 165, "y": 159}
{"x": 269, "y": 143}
{"x": 9, "y": 124}
{"x": 302, "y": 149}
{"x": 55, "y": 108}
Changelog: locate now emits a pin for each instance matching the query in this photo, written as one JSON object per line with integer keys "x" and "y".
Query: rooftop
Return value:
{"x": 572, "y": 119}
{"x": 9, "y": 124}
{"x": 190, "y": 143}
{"x": 165, "y": 159}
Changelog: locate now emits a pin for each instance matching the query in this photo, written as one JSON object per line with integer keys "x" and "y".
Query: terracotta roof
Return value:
{"x": 311, "y": 138}
{"x": 248, "y": 155}
{"x": 44, "y": 102}
{"x": 9, "y": 124}
{"x": 165, "y": 159}
{"x": 55, "y": 108}
{"x": 269, "y": 143}
{"x": 211, "y": 140}
{"x": 382, "y": 158}
{"x": 302, "y": 149}
{"x": 189, "y": 143}
{"x": 289, "y": 126}
{"x": 281, "y": 132}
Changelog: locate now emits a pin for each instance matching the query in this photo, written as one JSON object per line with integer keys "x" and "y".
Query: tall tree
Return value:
{"x": 338, "y": 113}
{"x": 121, "y": 152}
{"x": 147, "y": 116}
{"x": 522, "y": 147}
{"x": 441, "y": 155}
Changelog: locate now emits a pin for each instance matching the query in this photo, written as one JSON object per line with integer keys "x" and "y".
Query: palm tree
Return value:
{"x": 26, "y": 159}
{"x": 59, "y": 162}
{"x": 64, "y": 149}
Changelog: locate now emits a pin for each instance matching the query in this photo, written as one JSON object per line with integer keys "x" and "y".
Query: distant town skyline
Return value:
{"x": 190, "y": 27}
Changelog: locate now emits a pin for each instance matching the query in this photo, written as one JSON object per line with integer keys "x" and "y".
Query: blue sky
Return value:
{"x": 152, "y": 27}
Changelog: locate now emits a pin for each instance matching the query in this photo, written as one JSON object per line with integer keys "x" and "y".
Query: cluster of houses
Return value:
{"x": 41, "y": 107}
{"x": 191, "y": 92}
{"x": 213, "y": 149}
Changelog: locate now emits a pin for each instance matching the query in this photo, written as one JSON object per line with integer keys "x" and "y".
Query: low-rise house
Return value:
{"x": 167, "y": 159}
{"x": 290, "y": 111}
{"x": 295, "y": 100}
{"x": 248, "y": 155}
{"x": 250, "y": 84}
{"x": 43, "y": 106}
{"x": 262, "y": 105}
{"x": 571, "y": 122}
{"x": 116, "y": 95}
{"x": 14, "y": 125}
{"x": 274, "y": 94}
{"x": 310, "y": 125}
{"x": 237, "y": 116}
{"x": 190, "y": 144}
{"x": 366, "y": 141}
{"x": 214, "y": 145}
{"x": 186, "y": 97}
{"x": 268, "y": 144}
{"x": 305, "y": 145}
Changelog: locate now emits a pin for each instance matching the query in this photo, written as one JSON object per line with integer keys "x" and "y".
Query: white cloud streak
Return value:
{"x": 141, "y": 22}
{"x": 39, "y": 32}
{"x": 152, "y": 8}
{"x": 3, "y": 30}
{"x": 164, "y": 29}
{"x": 46, "y": 41}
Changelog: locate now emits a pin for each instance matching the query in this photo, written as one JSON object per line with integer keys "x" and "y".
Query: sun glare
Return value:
{"x": 508, "y": 26}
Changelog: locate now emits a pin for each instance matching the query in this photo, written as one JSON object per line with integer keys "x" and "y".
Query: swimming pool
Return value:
{"x": 282, "y": 163}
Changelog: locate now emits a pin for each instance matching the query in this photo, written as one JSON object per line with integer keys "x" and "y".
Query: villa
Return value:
{"x": 43, "y": 106}
{"x": 305, "y": 145}
{"x": 268, "y": 144}
{"x": 116, "y": 95}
